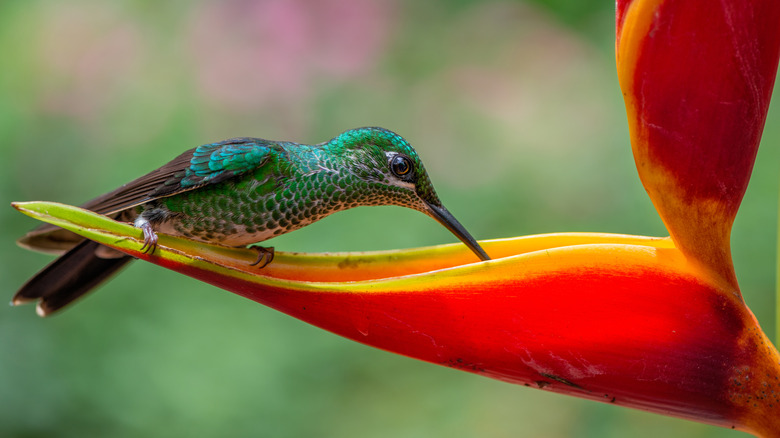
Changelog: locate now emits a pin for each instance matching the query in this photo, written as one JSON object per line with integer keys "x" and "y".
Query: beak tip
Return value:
{"x": 444, "y": 217}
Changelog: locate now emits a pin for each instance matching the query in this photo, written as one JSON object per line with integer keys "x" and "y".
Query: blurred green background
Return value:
{"x": 514, "y": 106}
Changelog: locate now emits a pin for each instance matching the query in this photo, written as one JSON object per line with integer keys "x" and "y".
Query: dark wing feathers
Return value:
{"x": 137, "y": 191}
{"x": 206, "y": 164}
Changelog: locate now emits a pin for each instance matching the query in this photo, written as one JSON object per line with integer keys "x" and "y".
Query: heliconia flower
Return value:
{"x": 697, "y": 79}
{"x": 657, "y": 324}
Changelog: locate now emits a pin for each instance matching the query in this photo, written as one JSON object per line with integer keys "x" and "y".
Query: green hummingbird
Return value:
{"x": 236, "y": 193}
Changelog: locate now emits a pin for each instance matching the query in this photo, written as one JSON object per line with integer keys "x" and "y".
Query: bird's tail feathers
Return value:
{"x": 69, "y": 277}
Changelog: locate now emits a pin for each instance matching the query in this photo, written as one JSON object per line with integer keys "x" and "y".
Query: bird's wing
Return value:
{"x": 204, "y": 165}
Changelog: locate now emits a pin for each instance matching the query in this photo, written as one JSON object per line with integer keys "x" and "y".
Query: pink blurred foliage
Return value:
{"x": 89, "y": 55}
{"x": 250, "y": 54}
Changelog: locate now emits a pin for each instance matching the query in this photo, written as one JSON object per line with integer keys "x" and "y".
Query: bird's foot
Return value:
{"x": 150, "y": 238}
{"x": 265, "y": 255}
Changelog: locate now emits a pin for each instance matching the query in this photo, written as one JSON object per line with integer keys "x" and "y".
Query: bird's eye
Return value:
{"x": 401, "y": 166}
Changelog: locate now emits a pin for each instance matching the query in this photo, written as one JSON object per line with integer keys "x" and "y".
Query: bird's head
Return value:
{"x": 395, "y": 175}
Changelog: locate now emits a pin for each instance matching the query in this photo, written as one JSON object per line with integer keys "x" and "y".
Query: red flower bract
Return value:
{"x": 697, "y": 77}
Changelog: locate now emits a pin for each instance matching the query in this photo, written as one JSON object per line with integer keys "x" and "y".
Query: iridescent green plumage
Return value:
{"x": 239, "y": 192}
{"x": 283, "y": 186}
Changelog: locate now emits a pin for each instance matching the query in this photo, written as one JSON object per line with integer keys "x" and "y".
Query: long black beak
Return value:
{"x": 444, "y": 217}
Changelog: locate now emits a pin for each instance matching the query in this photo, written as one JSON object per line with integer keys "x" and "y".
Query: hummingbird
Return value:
{"x": 236, "y": 193}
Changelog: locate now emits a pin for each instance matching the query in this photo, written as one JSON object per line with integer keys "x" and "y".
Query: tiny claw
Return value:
{"x": 150, "y": 238}
{"x": 263, "y": 253}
